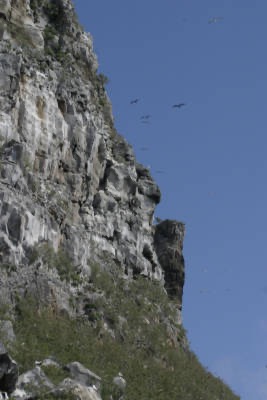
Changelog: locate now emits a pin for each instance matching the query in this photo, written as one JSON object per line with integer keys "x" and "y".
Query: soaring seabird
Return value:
{"x": 145, "y": 116}
{"x": 134, "y": 101}
{"x": 178, "y": 105}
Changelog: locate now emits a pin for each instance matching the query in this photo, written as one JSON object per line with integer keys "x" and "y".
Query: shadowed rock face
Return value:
{"x": 168, "y": 243}
{"x": 67, "y": 178}
{"x": 8, "y": 371}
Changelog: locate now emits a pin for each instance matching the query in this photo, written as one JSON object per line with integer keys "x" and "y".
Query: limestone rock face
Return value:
{"x": 67, "y": 179}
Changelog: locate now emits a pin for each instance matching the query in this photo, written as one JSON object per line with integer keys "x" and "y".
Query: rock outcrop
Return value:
{"x": 69, "y": 183}
{"x": 8, "y": 371}
{"x": 83, "y": 375}
{"x": 169, "y": 236}
{"x": 34, "y": 384}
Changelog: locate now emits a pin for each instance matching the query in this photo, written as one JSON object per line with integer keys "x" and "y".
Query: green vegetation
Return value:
{"x": 58, "y": 260}
{"x": 49, "y": 33}
{"x": 58, "y": 396}
{"x": 103, "y": 79}
{"x": 52, "y": 47}
{"x": 125, "y": 331}
{"x": 35, "y": 4}
{"x": 55, "y": 374}
{"x": 54, "y": 11}
{"x": 20, "y": 34}
{"x": 5, "y": 311}
{"x": 8, "y": 268}
{"x": 27, "y": 164}
{"x": 58, "y": 16}
{"x": 100, "y": 97}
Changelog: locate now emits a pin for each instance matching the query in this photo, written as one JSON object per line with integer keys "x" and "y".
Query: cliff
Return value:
{"x": 77, "y": 237}
{"x": 67, "y": 178}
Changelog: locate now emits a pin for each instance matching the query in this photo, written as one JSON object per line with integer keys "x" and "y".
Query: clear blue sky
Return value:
{"x": 212, "y": 151}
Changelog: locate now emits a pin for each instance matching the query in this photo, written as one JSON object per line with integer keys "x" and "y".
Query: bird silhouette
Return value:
{"x": 178, "y": 105}
{"x": 134, "y": 101}
{"x": 145, "y": 116}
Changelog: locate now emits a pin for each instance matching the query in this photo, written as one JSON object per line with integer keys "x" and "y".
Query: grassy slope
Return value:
{"x": 124, "y": 330}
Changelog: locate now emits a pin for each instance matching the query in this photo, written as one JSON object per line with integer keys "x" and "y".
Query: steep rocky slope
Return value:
{"x": 67, "y": 178}
{"x": 79, "y": 252}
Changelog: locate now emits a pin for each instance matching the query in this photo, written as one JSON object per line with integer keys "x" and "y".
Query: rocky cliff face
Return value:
{"x": 69, "y": 184}
{"x": 76, "y": 232}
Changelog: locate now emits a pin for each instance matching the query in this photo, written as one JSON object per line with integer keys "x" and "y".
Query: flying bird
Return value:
{"x": 178, "y": 105}
{"x": 144, "y": 117}
{"x": 134, "y": 101}
{"x": 213, "y": 20}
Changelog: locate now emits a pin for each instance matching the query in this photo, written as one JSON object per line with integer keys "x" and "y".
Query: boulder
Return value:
{"x": 83, "y": 375}
{"x": 80, "y": 391}
{"x": 120, "y": 382}
{"x": 119, "y": 386}
{"x": 6, "y": 331}
{"x": 34, "y": 381}
{"x": 19, "y": 394}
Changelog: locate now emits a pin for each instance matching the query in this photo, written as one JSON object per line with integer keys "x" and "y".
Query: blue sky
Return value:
{"x": 212, "y": 153}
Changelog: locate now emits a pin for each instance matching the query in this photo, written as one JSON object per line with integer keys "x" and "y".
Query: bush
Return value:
{"x": 58, "y": 260}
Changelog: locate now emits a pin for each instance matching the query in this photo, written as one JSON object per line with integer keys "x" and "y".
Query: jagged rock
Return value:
{"x": 5, "y": 7}
{"x": 83, "y": 385}
{"x": 83, "y": 375}
{"x": 169, "y": 237}
{"x": 6, "y": 331}
{"x": 20, "y": 394}
{"x": 8, "y": 371}
{"x": 120, "y": 385}
{"x": 49, "y": 362}
{"x": 120, "y": 381}
{"x": 34, "y": 381}
{"x": 80, "y": 391}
